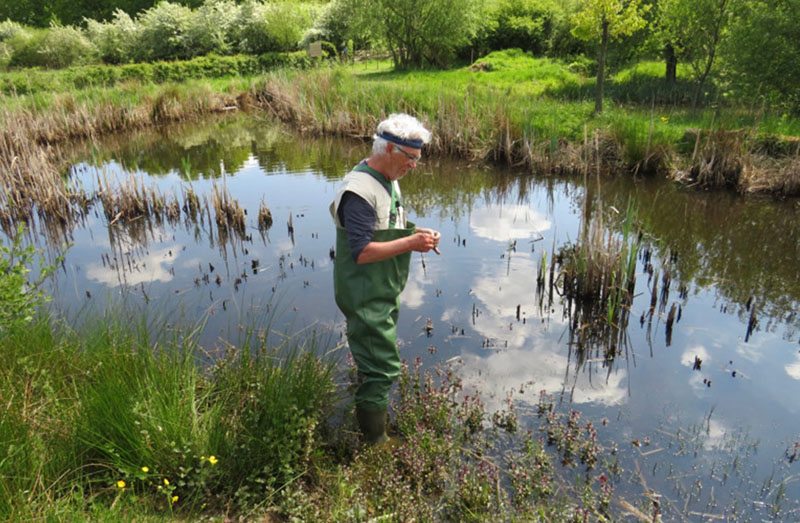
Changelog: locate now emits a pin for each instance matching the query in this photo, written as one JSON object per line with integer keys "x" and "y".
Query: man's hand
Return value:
{"x": 423, "y": 240}
{"x": 432, "y": 235}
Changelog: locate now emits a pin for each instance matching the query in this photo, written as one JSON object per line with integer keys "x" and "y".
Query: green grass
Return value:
{"x": 119, "y": 401}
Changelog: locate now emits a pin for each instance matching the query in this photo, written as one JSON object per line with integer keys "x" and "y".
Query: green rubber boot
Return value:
{"x": 373, "y": 425}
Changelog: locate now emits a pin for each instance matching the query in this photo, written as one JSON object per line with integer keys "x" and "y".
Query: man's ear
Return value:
{"x": 389, "y": 147}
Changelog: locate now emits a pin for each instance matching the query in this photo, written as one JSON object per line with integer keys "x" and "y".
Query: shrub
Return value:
{"x": 210, "y": 27}
{"x": 162, "y": 32}
{"x": 9, "y": 29}
{"x": 19, "y": 295}
{"x": 526, "y": 24}
{"x": 335, "y": 24}
{"x": 114, "y": 40}
{"x": 58, "y": 46}
{"x": 261, "y": 28}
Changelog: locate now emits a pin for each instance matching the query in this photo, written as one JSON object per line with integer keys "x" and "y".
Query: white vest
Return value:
{"x": 371, "y": 190}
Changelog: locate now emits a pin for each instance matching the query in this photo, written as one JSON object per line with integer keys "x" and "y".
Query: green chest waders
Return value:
{"x": 369, "y": 296}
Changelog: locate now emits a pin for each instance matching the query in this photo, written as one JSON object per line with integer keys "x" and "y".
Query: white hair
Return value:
{"x": 402, "y": 125}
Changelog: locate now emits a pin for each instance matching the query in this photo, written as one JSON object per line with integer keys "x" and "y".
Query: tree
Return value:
{"x": 692, "y": 31}
{"x": 762, "y": 51}
{"x": 602, "y": 20}
{"x": 417, "y": 32}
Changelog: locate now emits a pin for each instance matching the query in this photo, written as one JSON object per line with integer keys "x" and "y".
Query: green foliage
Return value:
{"x": 615, "y": 18}
{"x": 419, "y": 32}
{"x": 59, "y": 46}
{"x": 9, "y": 29}
{"x": 210, "y": 26}
{"x": 761, "y": 53}
{"x": 262, "y": 28}
{"x": 695, "y": 28}
{"x": 281, "y": 397}
{"x": 211, "y": 66}
{"x": 115, "y": 39}
{"x": 336, "y": 24}
{"x": 20, "y": 295}
{"x": 140, "y": 406}
{"x": 162, "y": 31}
{"x": 605, "y": 20}
{"x": 526, "y": 24}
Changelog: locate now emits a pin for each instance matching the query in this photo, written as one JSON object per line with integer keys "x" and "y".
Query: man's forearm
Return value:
{"x": 379, "y": 251}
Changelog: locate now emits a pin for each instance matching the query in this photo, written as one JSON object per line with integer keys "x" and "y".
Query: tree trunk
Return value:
{"x": 672, "y": 65}
{"x": 601, "y": 66}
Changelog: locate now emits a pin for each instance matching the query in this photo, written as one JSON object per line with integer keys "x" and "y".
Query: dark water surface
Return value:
{"x": 711, "y": 441}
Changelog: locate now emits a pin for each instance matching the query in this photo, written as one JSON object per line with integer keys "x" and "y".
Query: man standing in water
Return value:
{"x": 373, "y": 251}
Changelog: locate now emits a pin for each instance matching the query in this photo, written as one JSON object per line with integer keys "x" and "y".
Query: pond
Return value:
{"x": 704, "y": 412}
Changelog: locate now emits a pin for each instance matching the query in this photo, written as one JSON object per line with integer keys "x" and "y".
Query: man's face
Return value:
{"x": 403, "y": 160}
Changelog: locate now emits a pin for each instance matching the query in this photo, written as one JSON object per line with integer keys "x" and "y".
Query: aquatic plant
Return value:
{"x": 597, "y": 277}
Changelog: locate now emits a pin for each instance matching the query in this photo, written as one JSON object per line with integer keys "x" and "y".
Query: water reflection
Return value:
{"x": 481, "y": 294}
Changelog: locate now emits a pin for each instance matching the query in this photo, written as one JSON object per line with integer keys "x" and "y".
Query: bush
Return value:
{"x": 114, "y": 40}
{"x": 19, "y": 295}
{"x": 524, "y": 24}
{"x": 335, "y": 24}
{"x": 162, "y": 32}
{"x": 9, "y": 29}
{"x": 59, "y": 46}
{"x": 210, "y": 27}
{"x": 261, "y": 28}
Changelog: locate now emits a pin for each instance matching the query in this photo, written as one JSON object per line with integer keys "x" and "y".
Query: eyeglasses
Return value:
{"x": 416, "y": 159}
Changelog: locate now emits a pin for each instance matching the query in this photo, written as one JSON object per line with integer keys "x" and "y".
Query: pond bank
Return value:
{"x": 481, "y": 124}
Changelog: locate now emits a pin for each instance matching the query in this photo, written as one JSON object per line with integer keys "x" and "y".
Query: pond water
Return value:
{"x": 715, "y": 439}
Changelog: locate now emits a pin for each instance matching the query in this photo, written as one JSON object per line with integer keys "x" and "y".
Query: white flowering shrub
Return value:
{"x": 9, "y": 29}
{"x": 162, "y": 32}
{"x": 210, "y": 28}
{"x": 114, "y": 40}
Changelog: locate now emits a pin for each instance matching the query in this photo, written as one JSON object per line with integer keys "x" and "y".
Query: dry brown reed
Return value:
{"x": 229, "y": 215}
{"x": 31, "y": 161}
{"x": 264, "y": 217}
{"x": 742, "y": 161}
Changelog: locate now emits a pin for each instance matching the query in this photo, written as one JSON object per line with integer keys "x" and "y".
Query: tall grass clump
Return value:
{"x": 271, "y": 404}
{"x": 645, "y": 143}
{"x": 598, "y": 279}
{"x": 125, "y": 409}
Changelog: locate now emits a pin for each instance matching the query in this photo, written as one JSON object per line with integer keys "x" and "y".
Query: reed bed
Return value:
{"x": 597, "y": 277}
{"x": 743, "y": 161}
{"x": 130, "y": 204}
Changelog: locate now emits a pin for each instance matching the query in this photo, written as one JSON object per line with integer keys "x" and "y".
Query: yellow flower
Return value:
{"x": 202, "y": 458}
{"x": 212, "y": 460}
{"x": 145, "y": 469}
{"x": 166, "y": 481}
{"x": 174, "y": 499}
{"x": 121, "y": 484}
{"x": 664, "y": 119}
